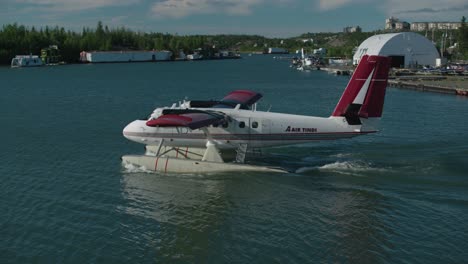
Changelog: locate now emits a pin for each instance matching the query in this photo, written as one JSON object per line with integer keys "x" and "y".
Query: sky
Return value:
{"x": 270, "y": 18}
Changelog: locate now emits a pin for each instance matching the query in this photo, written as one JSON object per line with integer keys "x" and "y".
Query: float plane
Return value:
{"x": 202, "y": 136}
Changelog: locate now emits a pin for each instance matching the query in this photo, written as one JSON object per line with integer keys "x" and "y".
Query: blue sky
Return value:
{"x": 271, "y": 18}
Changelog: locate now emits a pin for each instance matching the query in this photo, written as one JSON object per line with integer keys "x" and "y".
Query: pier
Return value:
{"x": 338, "y": 70}
{"x": 437, "y": 84}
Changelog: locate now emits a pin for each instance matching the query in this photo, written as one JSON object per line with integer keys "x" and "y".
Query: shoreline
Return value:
{"x": 457, "y": 85}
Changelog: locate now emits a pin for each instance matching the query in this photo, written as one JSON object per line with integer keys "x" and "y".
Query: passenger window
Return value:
{"x": 242, "y": 124}
{"x": 254, "y": 124}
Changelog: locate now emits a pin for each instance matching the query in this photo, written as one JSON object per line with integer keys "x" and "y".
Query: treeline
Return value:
{"x": 21, "y": 40}
{"x": 18, "y": 40}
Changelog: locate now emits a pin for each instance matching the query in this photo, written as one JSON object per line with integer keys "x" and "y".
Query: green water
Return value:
{"x": 399, "y": 196}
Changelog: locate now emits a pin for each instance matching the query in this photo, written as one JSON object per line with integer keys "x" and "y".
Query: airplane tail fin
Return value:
{"x": 364, "y": 95}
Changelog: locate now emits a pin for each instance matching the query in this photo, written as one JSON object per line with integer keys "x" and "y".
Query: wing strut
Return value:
{"x": 240, "y": 153}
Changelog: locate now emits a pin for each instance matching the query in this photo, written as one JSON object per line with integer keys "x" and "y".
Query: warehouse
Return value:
{"x": 407, "y": 49}
{"x": 124, "y": 56}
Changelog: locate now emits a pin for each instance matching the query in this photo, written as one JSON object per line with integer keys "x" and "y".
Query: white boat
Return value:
{"x": 306, "y": 63}
{"x": 339, "y": 61}
{"x": 26, "y": 61}
{"x": 195, "y": 56}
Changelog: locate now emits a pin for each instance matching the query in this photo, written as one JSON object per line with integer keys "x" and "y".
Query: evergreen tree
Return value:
{"x": 463, "y": 38}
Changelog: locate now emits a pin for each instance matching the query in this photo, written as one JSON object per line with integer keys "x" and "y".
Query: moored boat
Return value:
{"x": 26, "y": 61}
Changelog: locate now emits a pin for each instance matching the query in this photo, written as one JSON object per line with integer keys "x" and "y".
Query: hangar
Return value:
{"x": 407, "y": 49}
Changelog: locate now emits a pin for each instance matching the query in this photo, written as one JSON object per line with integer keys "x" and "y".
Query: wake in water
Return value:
{"x": 132, "y": 168}
{"x": 355, "y": 168}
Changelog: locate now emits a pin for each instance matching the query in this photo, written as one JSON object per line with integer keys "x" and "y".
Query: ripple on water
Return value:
{"x": 395, "y": 196}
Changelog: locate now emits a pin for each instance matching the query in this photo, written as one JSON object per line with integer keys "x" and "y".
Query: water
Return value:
{"x": 399, "y": 196}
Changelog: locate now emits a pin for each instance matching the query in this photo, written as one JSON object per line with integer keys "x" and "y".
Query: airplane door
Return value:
{"x": 248, "y": 129}
{"x": 242, "y": 128}
{"x": 260, "y": 129}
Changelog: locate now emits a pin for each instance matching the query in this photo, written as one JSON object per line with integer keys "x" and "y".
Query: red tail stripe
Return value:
{"x": 374, "y": 100}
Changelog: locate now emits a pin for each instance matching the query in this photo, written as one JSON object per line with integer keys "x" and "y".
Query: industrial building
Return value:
{"x": 124, "y": 56}
{"x": 407, "y": 49}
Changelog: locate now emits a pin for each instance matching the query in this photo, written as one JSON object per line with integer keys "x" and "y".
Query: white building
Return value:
{"x": 124, "y": 56}
{"x": 406, "y": 49}
{"x": 320, "y": 52}
{"x": 352, "y": 29}
{"x": 422, "y": 26}
{"x": 394, "y": 23}
{"x": 419, "y": 26}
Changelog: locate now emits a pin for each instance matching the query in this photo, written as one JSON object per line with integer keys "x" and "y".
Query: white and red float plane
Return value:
{"x": 198, "y": 136}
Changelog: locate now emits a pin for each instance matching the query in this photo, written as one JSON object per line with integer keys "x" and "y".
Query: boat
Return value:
{"x": 226, "y": 54}
{"x": 276, "y": 51}
{"x": 306, "y": 63}
{"x": 26, "y": 61}
{"x": 195, "y": 56}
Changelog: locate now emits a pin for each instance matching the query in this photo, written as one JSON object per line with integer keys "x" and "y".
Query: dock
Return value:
{"x": 436, "y": 84}
{"x": 338, "y": 70}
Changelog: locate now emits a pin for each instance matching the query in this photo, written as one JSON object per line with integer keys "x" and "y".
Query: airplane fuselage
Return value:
{"x": 257, "y": 129}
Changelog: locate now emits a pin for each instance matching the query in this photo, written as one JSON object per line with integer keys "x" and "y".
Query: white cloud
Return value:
{"x": 72, "y": 5}
{"x": 427, "y": 10}
{"x": 182, "y": 8}
{"x": 415, "y": 10}
{"x": 326, "y": 5}
{"x": 332, "y": 4}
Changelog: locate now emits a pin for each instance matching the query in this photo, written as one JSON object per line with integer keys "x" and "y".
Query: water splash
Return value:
{"x": 346, "y": 166}
{"x": 356, "y": 168}
{"x": 132, "y": 168}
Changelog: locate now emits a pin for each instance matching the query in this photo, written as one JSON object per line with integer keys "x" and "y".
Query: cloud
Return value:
{"x": 70, "y": 5}
{"x": 430, "y": 10}
{"x": 325, "y": 5}
{"x": 182, "y": 8}
{"x": 433, "y": 10}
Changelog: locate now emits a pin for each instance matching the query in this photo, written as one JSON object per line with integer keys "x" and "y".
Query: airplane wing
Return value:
{"x": 245, "y": 98}
{"x": 190, "y": 118}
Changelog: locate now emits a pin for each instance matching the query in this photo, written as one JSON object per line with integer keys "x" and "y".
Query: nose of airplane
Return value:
{"x": 134, "y": 131}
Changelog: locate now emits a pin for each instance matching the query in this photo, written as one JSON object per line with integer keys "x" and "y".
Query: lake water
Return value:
{"x": 398, "y": 196}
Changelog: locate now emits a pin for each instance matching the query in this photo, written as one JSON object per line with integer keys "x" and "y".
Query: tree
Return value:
{"x": 463, "y": 38}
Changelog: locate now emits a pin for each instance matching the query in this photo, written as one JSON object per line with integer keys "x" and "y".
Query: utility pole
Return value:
{"x": 444, "y": 40}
